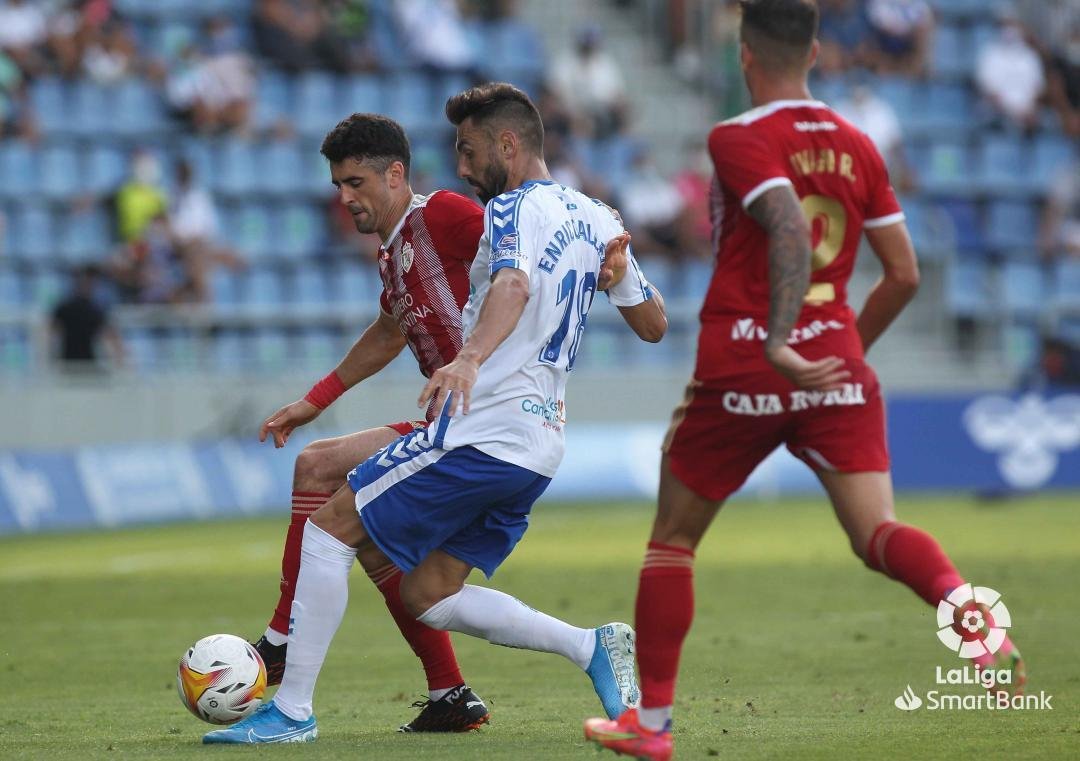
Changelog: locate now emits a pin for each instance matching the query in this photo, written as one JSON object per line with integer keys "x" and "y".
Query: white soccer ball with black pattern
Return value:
{"x": 221, "y": 679}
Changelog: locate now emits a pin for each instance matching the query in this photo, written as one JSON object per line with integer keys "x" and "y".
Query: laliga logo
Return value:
{"x": 972, "y": 621}
{"x": 1028, "y": 433}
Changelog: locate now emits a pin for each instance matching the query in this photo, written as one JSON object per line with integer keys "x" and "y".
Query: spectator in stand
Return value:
{"x": 435, "y": 34}
{"x": 694, "y": 184}
{"x": 589, "y": 82}
{"x": 902, "y": 31}
{"x": 844, "y": 35}
{"x": 1060, "y": 231}
{"x": 214, "y": 87}
{"x": 23, "y": 33}
{"x": 141, "y": 199}
{"x": 651, "y": 205}
{"x": 1064, "y": 80}
{"x": 1009, "y": 73}
{"x": 297, "y": 35}
{"x": 193, "y": 223}
{"x": 877, "y": 118}
{"x": 110, "y": 54}
{"x": 80, "y": 321}
{"x": 15, "y": 115}
{"x": 1057, "y": 367}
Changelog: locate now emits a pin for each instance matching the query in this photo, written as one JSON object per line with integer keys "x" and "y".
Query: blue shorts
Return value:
{"x": 414, "y": 497}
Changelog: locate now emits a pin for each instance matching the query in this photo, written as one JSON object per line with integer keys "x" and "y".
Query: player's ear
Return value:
{"x": 746, "y": 56}
{"x": 395, "y": 173}
{"x": 508, "y": 144}
{"x": 812, "y": 58}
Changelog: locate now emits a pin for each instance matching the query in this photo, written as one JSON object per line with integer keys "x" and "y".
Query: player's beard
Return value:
{"x": 493, "y": 183}
{"x": 367, "y": 225}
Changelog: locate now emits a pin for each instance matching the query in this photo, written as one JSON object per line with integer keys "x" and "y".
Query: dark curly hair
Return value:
{"x": 780, "y": 31}
{"x": 499, "y": 105}
{"x": 367, "y": 137}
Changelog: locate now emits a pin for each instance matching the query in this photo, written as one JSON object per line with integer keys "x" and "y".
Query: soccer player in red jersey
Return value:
{"x": 780, "y": 354}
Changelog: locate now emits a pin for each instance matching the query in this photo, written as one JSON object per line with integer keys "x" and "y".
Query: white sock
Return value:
{"x": 654, "y": 718}
{"x": 322, "y": 592}
{"x": 436, "y": 695}
{"x": 505, "y": 620}
{"x": 275, "y": 638}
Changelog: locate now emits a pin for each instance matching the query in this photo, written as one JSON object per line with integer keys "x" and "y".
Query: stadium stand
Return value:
{"x": 975, "y": 204}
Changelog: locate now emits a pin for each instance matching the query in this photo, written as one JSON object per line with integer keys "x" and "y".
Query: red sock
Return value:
{"x": 664, "y": 612}
{"x": 914, "y": 558}
{"x": 304, "y": 503}
{"x": 431, "y": 646}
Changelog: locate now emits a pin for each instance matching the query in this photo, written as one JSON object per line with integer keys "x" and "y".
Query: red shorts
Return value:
{"x": 405, "y": 427}
{"x": 727, "y": 425}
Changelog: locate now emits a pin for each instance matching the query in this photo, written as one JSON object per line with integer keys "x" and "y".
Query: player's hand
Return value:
{"x": 457, "y": 379}
{"x": 818, "y": 375}
{"x": 282, "y": 423}
{"x": 615, "y": 262}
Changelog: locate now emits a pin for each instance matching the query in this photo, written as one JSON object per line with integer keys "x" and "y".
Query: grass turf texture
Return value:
{"x": 797, "y": 650}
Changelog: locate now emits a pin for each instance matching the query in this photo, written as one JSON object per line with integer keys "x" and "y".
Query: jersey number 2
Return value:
{"x": 831, "y": 215}
{"x": 578, "y": 300}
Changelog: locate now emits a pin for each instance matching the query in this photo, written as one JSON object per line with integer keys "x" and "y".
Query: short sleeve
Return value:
{"x": 455, "y": 224}
{"x": 882, "y": 207}
{"x": 505, "y": 217}
{"x": 744, "y": 162}
{"x": 633, "y": 289}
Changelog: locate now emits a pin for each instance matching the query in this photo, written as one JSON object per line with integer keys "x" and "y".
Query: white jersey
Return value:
{"x": 556, "y": 235}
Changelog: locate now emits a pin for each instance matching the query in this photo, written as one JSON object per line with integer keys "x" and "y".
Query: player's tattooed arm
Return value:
{"x": 779, "y": 212}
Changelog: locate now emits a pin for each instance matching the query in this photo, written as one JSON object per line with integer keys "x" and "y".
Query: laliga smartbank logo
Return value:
{"x": 972, "y": 623}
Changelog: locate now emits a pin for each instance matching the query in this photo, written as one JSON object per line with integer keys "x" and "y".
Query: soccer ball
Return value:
{"x": 221, "y": 679}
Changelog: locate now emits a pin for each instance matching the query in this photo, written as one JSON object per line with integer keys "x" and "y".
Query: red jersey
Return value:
{"x": 424, "y": 266}
{"x": 843, "y": 185}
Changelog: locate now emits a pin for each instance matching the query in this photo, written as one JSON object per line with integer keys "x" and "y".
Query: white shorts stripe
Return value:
{"x": 397, "y": 474}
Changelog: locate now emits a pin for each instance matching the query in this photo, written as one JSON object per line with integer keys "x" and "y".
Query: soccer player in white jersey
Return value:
{"x": 455, "y": 496}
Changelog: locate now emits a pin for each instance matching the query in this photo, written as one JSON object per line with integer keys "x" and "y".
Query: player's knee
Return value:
{"x": 420, "y": 594}
{"x": 312, "y": 472}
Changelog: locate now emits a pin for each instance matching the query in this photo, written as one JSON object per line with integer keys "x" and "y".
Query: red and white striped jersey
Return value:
{"x": 424, "y": 266}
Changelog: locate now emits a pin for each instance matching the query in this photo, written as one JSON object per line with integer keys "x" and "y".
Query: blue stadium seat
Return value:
{"x": 952, "y": 56}
{"x": 299, "y": 231}
{"x": 200, "y": 154}
{"x": 273, "y": 99}
{"x": 91, "y": 111}
{"x": 1052, "y": 155}
{"x": 282, "y": 168}
{"x": 248, "y": 230}
{"x": 60, "y": 172}
{"x": 231, "y": 352}
{"x": 410, "y": 102}
{"x": 44, "y": 288}
{"x": 178, "y": 349}
{"x": 317, "y": 107}
{"x": 661, "y": 273}
{"x": 960, "y": 10}
{"x": 85, "y": 236}
{"x": 317, "y": 348}
{"x": 271, "y": 350}
{"x": 966, "y": 225}
{"x": 106, "y": 168}
{"x": 262, "y": 287}
{"x": 238, "y": 171}
{"x": 49, "y": 98}
{"x": 224, "y": 289}
{"x": 15, "y": 350}
{"x": 696, "y": 276}
{"x": 898, "y": 92}
{"x": 19, "y": 170}
{"x": 1066, "y": 279}
{"x": 32, "y": 232}
{"x": 137, "y": 110}
{"x": 1003, "y": 164}
{"x": 511, "y": 52}
{"x": 352, "y": 285}
{"x": 308, "y": 287}
{"x": 943, "y": 108}
{"x": 11, "y": 297}
{"x": 969, "y": 289}
{"x": 945, "y": 167}
{"x": 1023, "y": 289}
{"x": 1012, "y": 226}
{"x": 363, "y": 94}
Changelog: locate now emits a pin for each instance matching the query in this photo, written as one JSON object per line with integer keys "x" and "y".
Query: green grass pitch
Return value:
{"x": 797, "y": 651}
